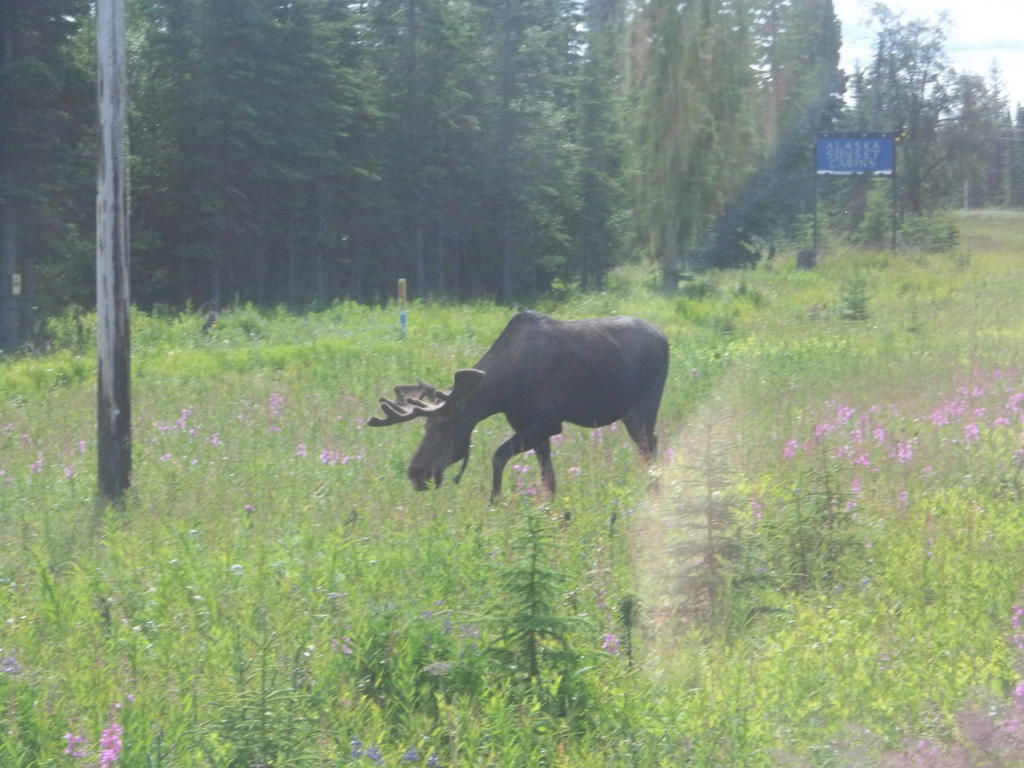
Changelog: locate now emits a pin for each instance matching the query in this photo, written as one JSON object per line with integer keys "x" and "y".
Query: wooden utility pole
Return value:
{"x": 113, "y": 416}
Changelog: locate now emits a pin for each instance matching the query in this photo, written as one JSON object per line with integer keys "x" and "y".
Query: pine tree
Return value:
{"x": 798, "y": 44}
{"x": 907, "y": 91}
{"x": 45, "y": 205}
{"x": 600, "y": 136}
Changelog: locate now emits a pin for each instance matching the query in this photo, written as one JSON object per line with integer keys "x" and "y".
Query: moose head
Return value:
{"x": 448, "y": 429}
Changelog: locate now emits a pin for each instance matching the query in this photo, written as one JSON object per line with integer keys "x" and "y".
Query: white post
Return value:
{"x": 113, "y": 417}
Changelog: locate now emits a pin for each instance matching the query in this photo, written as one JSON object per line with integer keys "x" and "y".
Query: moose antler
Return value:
{"x": 414, "y": 400}
{"x": 411, "y": 401}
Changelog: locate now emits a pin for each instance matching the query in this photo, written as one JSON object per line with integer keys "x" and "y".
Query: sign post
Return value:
{"x": 855, "y": 154}
{"x": 401, "y": 306}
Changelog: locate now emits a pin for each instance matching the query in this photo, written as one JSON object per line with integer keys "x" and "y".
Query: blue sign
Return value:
{"x": 844, "y": 154}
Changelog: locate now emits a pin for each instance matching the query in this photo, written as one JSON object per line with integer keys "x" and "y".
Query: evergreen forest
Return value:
{"x": 300, "y": 152}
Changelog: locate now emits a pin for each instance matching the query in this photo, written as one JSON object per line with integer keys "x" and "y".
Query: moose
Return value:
{"x": 540, "y": 373}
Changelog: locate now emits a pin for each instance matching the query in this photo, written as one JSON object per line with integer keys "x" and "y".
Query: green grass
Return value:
{"x": 824, "y": 569}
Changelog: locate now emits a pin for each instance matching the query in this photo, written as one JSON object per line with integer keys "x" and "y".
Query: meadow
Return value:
{"x": 825, "y": 567}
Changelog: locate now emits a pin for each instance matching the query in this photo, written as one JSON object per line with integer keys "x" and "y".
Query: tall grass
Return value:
{"x": 824, "y": 569}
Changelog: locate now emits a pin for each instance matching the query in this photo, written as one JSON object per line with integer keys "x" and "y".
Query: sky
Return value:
{"x": 982, "y": 32}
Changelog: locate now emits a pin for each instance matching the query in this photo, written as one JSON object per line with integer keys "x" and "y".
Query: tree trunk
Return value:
{"x": 8, "y": 266}
{"x": 670, "y": 258}
{"x": 8, "y": 231}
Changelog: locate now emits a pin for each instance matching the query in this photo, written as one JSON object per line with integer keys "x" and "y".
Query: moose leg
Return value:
{"x": 536, "y": 438}
{"x": 641, "y": 428}
{"x": 547, "y": 469}
{"x": 505, "y": 451}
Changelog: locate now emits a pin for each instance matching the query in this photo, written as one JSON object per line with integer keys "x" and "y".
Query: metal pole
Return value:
{"x": 892, "y": 188}
{"x": 814, "y": 237}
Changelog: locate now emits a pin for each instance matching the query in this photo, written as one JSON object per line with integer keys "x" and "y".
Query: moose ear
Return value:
{"x": 466, "y": 380}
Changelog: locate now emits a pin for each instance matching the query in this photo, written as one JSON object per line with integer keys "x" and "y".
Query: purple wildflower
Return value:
{"x": 412, "y": 755}
{"x": 74, "y": 747}
{"x": 10, "y": 665}
{"x": 755, "y": 509}
{"x": 904, "y": 451}
{"x": 110, "y": 745}
{"x": 611, "y": 644}
{"x": 276, "y": 403}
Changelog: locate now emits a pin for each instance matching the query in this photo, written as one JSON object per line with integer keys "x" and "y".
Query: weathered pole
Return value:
{"x": 113, "y": 415}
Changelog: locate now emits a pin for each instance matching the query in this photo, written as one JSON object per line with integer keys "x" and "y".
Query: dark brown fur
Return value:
{"x": 540, "y": 373}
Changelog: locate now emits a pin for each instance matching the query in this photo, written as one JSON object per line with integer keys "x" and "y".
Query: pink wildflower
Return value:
{"x": 755, "y": 509}
{"x": 74, "y": 747}
{"x": 904, "y": 451}
{"x": 110, "y": 745}
{"x": 611, "y": 644}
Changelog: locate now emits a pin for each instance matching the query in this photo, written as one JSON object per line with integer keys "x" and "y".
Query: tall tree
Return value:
{"x": 530, "y": 49}
{"x": 970, "y": 136}
{"x": 431, "y": 90}
{"x": 47, "y": 102}
{"x": 600, "y": 136}
{"x": 801, "y": 87}
{"x": 695, "y": 92}
{"x": 257, "y": 129}
{"x": 1015, "y": 160}
{"x": 668, "y": 112}
{"x": 907, "y": 90}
